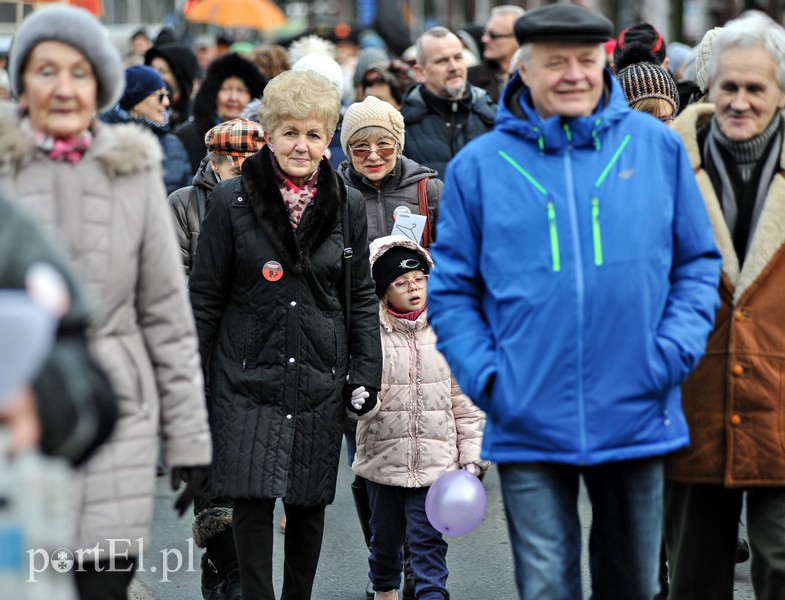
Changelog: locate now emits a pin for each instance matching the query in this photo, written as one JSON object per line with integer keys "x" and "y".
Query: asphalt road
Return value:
{"x": 480, "y": 563}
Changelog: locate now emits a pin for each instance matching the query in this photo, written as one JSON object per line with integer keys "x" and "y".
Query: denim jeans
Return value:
{"x": 398, "y": 515}
{"x": 541, "y": 503}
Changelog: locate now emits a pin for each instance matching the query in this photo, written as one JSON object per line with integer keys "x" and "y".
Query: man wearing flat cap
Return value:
{"x": 574, "y": 290}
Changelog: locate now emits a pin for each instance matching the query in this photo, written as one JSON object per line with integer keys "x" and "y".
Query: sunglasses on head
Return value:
{"x": 365, "y": 151}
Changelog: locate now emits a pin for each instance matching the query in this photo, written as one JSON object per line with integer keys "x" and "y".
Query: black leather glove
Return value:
{"x": 370, "y": 401}
{"x": 193, "y": 478}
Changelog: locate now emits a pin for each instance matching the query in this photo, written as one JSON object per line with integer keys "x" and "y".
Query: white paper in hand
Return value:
{"x": 410, "y": 226}
{"x": 26, "y": 334}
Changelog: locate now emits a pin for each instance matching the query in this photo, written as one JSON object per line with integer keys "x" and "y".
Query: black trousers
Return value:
{"x": 93, "y": 584}
{"x": 253, "y": 537}
{"x": 701, "y": 529}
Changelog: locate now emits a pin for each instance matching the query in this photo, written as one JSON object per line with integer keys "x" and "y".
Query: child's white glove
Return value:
{"x": 358, "y": 397}
{"x": 473, "y": 469}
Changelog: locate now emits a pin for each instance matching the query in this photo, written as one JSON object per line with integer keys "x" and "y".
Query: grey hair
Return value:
{"x": 754, "y": 29}
{"x": 218, "y": 157}
{"x": 507, "y": 9}
{"x": 436, "y": 32}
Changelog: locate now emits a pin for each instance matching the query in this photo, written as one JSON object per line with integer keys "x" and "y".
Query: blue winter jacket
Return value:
{"x": 575, "y": 282}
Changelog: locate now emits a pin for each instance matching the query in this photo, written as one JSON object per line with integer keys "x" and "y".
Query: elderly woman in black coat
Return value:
{"x": 267, "y": 288}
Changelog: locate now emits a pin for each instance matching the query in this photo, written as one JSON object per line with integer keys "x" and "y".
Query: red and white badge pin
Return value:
{"x": 272, "y": 270}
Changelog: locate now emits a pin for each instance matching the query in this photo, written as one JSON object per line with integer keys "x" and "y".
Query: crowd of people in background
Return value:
{"x": 594, "y": 295}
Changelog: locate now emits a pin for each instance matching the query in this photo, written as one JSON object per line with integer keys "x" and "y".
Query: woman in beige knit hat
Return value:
{"x": 372, "y": 136}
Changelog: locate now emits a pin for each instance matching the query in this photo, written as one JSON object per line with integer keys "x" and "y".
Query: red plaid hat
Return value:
{"x": 238, "y": 138}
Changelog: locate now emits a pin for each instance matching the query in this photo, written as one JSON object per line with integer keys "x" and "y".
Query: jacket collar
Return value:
{"x": 418, "y": 102}
{"x": 769, "y": 236}
{"x": 319, "y": 221}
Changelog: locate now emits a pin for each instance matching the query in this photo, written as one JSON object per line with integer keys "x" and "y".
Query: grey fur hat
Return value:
{"x": 78, "y": 28}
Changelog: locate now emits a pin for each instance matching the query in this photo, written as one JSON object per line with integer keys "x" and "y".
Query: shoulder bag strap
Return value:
{"x": 348, "y": 252}
{"x": 422, "y": 194}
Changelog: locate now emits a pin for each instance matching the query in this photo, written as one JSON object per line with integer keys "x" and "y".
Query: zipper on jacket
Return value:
{"x": 595, "y": 201}
{"x": 553, "y": 230}
{"x": 595, "y": 229}
{"x": 554, "y": 233}
{"x": 580, "y": 299}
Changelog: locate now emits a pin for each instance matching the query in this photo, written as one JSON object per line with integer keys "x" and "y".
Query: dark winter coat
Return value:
{"x": 189, "y": 206}
{"x": 176, "y": 168}
{"x": 399, "y": 188}
{"x": 267, "y": 302}
{"x": 484, "y": 76}
{"x": 437, "y": 128}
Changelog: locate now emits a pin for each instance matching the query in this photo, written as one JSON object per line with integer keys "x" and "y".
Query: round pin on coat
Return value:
{"x": 272, "y": 270}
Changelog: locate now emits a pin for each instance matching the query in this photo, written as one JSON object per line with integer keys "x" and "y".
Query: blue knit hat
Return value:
{"x": 140, "y": 82}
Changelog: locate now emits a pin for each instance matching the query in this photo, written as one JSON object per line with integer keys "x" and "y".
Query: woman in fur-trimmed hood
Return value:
{"x": 99, "y": 190}
{"x": 230, "y": 83}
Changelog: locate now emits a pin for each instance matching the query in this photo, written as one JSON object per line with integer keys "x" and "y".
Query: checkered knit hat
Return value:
{"x": 641, "y": 79}
{"x": 238, "y": 138}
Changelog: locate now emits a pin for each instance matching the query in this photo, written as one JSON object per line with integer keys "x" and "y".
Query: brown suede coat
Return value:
{"x": 735, "y": 400}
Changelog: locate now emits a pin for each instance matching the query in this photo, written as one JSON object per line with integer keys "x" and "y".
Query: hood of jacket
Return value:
{"x": 205, "y": 177}
{"x": 516, "y": 115}
{"x": 205, "y": 103}
{"x": 121, "y": 149}
{"x": 381, "y": 245}
{"x": 405, "y": 172}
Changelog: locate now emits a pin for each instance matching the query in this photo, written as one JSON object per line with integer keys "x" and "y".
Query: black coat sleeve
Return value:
{"x": 364, "y": 342}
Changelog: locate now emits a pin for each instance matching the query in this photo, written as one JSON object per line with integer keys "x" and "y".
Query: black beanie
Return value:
{"x": 394, "y": 263}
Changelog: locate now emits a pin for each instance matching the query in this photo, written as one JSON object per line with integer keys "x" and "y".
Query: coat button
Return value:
{"x": 735, "y": 420}
{"x": 293, "y": 303}
{"x": 739, "y": 315}
{"x": 291, "y": 360}
{"x": 289, "y": 416}
{"x": 738, "y": 369}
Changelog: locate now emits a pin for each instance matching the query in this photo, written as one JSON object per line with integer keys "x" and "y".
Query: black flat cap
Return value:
{"x": 562, "y": 23}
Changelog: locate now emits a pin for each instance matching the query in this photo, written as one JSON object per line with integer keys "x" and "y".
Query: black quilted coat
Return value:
{"x": 267, "y": 302}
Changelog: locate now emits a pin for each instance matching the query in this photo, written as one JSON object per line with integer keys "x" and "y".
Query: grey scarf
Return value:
{"x": 728, "y": 200}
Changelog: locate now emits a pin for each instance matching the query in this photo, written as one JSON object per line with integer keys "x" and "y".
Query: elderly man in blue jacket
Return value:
{"x": 574, "y": 289}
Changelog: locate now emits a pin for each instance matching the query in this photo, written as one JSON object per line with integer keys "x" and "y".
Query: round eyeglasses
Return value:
{"x": 404, "y": 285}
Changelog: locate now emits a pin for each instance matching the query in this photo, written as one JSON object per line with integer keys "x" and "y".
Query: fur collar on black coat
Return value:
{"x": 294, "y": 246}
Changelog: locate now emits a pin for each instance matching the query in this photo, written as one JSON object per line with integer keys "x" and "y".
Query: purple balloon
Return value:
{"x": 455, "y": 503}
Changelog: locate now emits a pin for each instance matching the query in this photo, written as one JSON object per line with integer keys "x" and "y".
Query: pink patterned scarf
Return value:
{"x": 295, "y": 198}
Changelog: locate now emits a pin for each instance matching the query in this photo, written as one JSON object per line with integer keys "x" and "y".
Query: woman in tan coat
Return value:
{"x": 99, "y": 189}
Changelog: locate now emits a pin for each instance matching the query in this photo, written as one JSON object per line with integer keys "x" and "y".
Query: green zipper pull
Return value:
{"x": 596, "y": 234}
{"x": 554, "y": 237}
